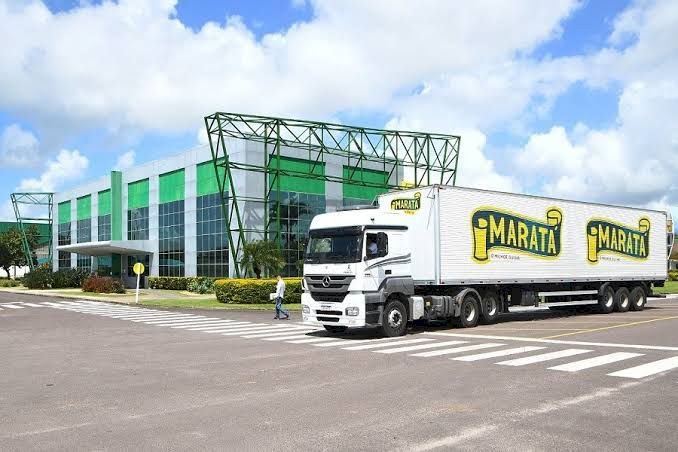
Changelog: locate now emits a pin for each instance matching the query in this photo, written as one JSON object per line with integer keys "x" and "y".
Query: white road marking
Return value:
{"x": 236, "y": 332}
{"x": 210, "y": 324}
{"x": 13, "y": 306}
{"x": 276, "y": 334}
{"x": 1, "y": 309}
{"x": 310, "y": 340}
{"x": 285, "y": 338}
{"x": 576, "y": 366}
{"x": 170, "y": 320}
{"x": 223, "y": 326}
{"x": 449, "y": 351}
{"x": 554, "y": 341}
{"x": 645, "y": 370}
{"x": 544, "y": 357}
{"x": 410, "y": 348}
{"x": 498, "y": 353}
{"x": 33, "y": 305}
{"x": 340, "y": 342}
{"x": 386, "y": 344}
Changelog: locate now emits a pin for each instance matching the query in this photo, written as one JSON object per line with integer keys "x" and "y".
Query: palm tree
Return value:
{"x": 261, "y": 256}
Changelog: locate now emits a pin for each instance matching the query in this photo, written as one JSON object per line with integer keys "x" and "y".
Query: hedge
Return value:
{"x": 192, "y": 283}
{"x": 251, "y": 291}
{"x": 673, "y": 275}
{"x": 103, "y": 284}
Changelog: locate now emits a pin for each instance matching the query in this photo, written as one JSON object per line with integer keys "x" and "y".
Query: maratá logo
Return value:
{"x": 606, "y": 236}
{"x": 409, "y": 205}
{"x": 494, "y": 228}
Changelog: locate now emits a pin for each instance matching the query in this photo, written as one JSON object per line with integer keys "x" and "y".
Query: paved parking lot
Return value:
{"x": 88, "y": 375}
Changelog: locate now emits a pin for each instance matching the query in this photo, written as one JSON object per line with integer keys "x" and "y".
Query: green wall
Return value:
{"x": 64, "y": 215}
{"x": 84, "y": 207}
{"x": 357, "y": 175}
{"x": 172, "y": 186}
{"x": 137, "y": 194}
{"x": 297, "y": 183}
{"x": 104, "y": 203}
{"x": 207, "y": 178}
{"x": 116, "y": 205}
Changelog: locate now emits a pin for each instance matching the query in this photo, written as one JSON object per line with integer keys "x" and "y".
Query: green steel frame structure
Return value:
{"x": 35, "y": 203}
{"x": 429, "y": 158}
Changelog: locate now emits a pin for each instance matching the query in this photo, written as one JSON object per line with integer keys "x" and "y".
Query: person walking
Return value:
{"x": 279, "y": 296}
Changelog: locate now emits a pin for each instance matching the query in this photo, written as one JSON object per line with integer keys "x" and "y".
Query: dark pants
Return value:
{"x": 279, "y": 308}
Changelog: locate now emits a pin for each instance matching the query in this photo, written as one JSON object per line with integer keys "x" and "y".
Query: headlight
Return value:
{"x": 304, "y": 287}
{"x": 305, "y": 309}
{"x": 352, "y": 311}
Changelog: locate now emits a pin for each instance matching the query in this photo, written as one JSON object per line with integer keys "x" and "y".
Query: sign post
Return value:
{"x": 138, "y": 270}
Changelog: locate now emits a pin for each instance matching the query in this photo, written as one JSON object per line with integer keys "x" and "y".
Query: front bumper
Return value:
{"x": 329, "y": 313}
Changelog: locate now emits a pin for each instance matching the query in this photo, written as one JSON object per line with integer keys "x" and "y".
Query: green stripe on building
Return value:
{"x": 207, "y": 178}
{"x": 84, "y": 207}
{"x": 357, "y": 176}
{"x": 116, "y": 206}
{"x": 64, "y": 212}
{"x": 172, "y": 186}
{"x": 137, "y": 194}
{"x": 298, "y": 183}
{"x": 104, "y": 203}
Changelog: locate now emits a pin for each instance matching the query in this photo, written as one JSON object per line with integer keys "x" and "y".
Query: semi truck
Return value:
{"x": 467, "y": 255}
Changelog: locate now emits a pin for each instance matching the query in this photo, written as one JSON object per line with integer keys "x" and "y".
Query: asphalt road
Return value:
{"x": 93, "y": 376}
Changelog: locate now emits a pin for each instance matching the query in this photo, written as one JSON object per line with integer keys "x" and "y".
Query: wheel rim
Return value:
{"x": 395, "y": 319}
{"x": 491, "y": 307}
{"x": 624, "y": 301}
{"x": 470, "y": 312}
{"x": 609, "y": 301}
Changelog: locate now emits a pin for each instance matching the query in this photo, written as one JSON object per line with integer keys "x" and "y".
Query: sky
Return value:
{"x": 566, "y": 98}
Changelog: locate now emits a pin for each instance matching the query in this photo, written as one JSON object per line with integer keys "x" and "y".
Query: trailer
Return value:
{"x": 467, "y": 255}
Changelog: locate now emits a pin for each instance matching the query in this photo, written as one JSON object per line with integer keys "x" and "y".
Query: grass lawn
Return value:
{"x": 214, "y": 304}
{"x": 669, "y": 287}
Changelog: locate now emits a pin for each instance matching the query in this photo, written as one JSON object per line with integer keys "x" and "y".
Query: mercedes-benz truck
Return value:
{"x": 467, "y": 255}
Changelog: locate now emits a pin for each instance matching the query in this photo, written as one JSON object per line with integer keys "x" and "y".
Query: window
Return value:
{"x": 376, "y": 245}
{"x": 144, "y": 259}
{"x": 294, "y": 211}
{"x": 64, "y": 238}
{"x": 104, "y": 265}
{"x": 104, "y": 226}
{"x": 137, "y": 224}
{"x": 212, "y": 237}
{"x": 171, "y": 236}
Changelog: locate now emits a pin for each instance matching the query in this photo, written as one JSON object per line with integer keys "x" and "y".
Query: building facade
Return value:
{"x": 168, "y": 213}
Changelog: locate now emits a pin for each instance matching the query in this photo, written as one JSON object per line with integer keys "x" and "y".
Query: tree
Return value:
{"x": 261, "y": 256}
{"x": 11, "y": 251}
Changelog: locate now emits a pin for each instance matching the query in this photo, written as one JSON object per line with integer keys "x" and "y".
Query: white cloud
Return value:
{"x": 125, "y": 161}
{"x": 18, "y": 147}
{"x": 68, "y": 166}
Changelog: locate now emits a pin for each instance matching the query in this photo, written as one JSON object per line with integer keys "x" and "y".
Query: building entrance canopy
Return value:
{"x": 129, "y": 247}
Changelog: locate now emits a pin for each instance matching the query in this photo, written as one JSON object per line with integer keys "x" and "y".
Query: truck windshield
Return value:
{"x": 340, "y": 245}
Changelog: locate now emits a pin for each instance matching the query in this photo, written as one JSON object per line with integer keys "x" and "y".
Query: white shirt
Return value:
{"x": 280, "y": 289}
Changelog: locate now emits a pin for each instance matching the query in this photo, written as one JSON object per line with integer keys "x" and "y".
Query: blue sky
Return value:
{"x": 582, "y": 96}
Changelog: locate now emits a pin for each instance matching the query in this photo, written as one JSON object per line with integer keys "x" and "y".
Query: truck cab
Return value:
{"x": 355, "y": 260}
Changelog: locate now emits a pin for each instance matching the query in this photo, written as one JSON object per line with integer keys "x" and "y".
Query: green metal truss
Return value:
{"x": 29, "y": 209}
{"x": 429, "y": 158}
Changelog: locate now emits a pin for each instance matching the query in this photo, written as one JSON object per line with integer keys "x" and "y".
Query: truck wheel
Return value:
{"x": 469, "y": 311}
{"x": 606, "y": 300}
{"x": 335, "y": 329}
{"x": 489, "y": 308}
{"x": 394, "y": 319}
{"x": 638, "y": 298}
{"x": 622, "y": 299}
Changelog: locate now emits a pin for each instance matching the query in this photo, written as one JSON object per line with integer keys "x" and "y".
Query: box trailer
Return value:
{"x": 444, "y": 252}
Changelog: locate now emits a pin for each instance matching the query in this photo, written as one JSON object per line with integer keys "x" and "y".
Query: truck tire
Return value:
{"x": 394, "y": 319}
{"x": 622, "y": 299}
{"x": 469, "y": 311}
{"x": 335, "y": 328}
{"x": 638, "y": 298}
{"x": 489, "y": 308}
{"x": 606, "y": 299}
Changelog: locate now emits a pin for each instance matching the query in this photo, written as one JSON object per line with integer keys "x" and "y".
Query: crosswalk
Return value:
{"x": 468, "y": 349}
{"x": 18, "y": 305}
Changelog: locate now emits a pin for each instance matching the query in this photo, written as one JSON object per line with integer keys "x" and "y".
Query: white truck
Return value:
{"x": 444, "y": 252}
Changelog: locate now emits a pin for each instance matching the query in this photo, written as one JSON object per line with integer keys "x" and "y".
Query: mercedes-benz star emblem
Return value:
{"x": 326, "y": 281}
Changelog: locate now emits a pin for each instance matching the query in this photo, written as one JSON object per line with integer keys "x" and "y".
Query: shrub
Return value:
{"x": 103, "y": 284}
{"x": 69, "y": 278}
{"x": 201, "y": 285}
{"x": 9, "y": 283}
{"x": 40, "y": 278}
{"x": 673, "y": 275}
{"x": 168, "y": 283}
{"x": 251, "y": 291}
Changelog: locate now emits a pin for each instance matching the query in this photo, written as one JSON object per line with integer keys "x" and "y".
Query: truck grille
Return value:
{"x": 328, "y": 288}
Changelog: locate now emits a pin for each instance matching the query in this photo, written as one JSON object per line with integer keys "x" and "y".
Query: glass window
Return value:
{"x": 212, "y": 238}
{"x": 171, "y": 235}
{"x": 64, "y": 238}
{"x": 137, "y": 224}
